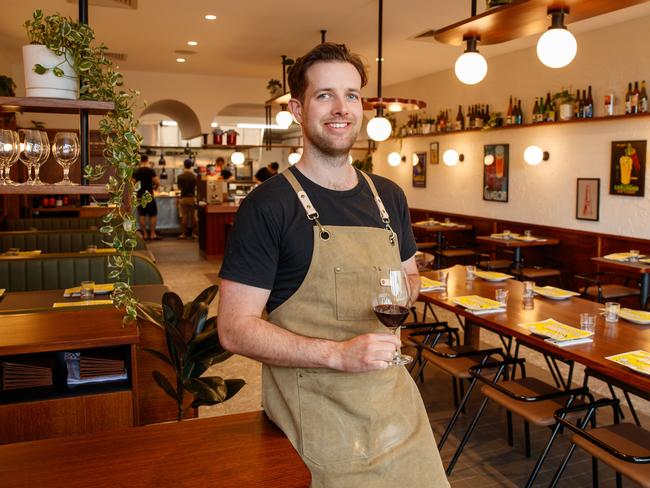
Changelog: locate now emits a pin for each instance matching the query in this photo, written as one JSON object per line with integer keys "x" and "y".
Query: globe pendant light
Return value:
{"x": 237, "y": 158}
{"x": 471, "y": 67}
{"x": 379, "y": 127}
{"x": 557, "y": 47}
{"x": 284, "y": 118}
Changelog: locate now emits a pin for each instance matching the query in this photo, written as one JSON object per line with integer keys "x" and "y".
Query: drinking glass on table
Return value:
{"x": 506, "y": 234}
{"x": 443, "y": 277}
{"x": 588, "y": 322}
{"x": 470, "y": 272}
{"x": 634, "y": 255}
{"x": 501, "y": 296}
{"x": 611, "y": 311}
{"x": 528, "y": 233}
{"x": 390, "y": 302}
{"x": 87, "y": 290}
{"x": 66, "y": 151}
{"x": 529, "y": 289}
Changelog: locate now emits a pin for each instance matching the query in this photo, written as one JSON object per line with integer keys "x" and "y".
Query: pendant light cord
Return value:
{"x": 380, "y": 109}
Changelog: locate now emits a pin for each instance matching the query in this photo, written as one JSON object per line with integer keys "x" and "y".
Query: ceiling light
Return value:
{"x": 192, "y": 43}
{"x": 237, "y": 158}
{"x": 169, "y": 123}
{"x": 180, "y": 60}
{"x": 534, "y": 155}
{"x": 557, "y": 47}
{"x": 471, "y": 67}
{"x": 214, "y": 124}
{"x": 294, "y": 157}
{"x": 394, "y": 159}
{"x": 394, "y": 107}
{"x": 210, "y": 17}
{"x": 379, "y": 128}
{"x": 451, "y": 157}
{"x": 284, "y": 118}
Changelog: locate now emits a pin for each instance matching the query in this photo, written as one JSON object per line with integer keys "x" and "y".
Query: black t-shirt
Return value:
{"x": 270, "y": 245}
{"x": 186, "y": 183}
{"x": 145, "y": 176}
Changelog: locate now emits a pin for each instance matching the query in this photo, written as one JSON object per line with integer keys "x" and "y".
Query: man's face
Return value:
{"x": 332, "y": 112}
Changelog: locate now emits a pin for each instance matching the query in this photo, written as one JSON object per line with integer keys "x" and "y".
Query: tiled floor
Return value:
{"x": 487, "y": 460}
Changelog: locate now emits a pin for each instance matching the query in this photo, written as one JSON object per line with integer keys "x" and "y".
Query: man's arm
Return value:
{"x": 243, "y": 331}
{"x": 156, "y": 182}
{"x": 411, "y": 269}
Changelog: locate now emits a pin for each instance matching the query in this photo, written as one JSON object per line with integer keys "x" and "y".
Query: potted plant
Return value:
{"x": 217, "y": 136}
{"x": 192, "y": 347}
{"x": 364, "y": 164}
{"x": 496, "y": 3}
{"x": 7, "y": 89}
{"x": 118, "y": 129}
{"x": 231, "y": 137}
{"x": 564, "y": 100}
{"x": 274, "y": 87}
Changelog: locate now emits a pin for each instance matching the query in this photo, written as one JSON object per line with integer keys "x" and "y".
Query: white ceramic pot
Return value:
{"x": 566, "y": 111}
{"x": 48, "y": 85}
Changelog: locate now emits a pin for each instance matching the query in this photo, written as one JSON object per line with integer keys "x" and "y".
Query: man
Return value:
{"x": 264, "y": 174}
{"x": 187, "y": 185}
{"x": 149, "y": 181}
{"x": 301, "y": 245}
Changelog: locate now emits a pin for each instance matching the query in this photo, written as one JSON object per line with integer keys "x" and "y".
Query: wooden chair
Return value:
{"x": 548, "y": 269}
{"x": 604, "y": 286}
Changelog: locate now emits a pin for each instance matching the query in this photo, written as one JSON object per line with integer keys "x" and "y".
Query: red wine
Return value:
{"x": 391, "y": 316}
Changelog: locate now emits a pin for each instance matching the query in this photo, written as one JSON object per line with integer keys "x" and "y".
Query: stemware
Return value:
{"x": 43, "y": 159}
{"x": 390, "y": 302}
{"x": 9, "y": 149}
{"x": 32, "y": 150}
{"x": 66, "y": 151}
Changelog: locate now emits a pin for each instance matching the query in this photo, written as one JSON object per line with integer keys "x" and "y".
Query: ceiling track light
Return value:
{"x": 471, "y": 67}
{"x": 557, "y": 47}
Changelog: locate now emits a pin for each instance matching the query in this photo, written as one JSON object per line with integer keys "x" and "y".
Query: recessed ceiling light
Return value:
{"x": 192, "y": 43}
{"x": 210, "y": 17}
{"x": 214, "y": 124}
{"x": 180, "y": 60}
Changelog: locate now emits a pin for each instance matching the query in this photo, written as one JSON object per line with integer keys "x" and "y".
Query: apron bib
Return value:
{"x": 351, "y": 429}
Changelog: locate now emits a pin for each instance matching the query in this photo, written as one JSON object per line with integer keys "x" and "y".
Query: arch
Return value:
{"x": 188, "y": 122}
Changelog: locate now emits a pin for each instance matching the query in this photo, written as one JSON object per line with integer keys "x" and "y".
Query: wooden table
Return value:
{"x": 518, "y": 244}
{"x": 642, "y": 268}
{"x": 439, "y": 229}
{"x": 609, "y": 339}
{"x": 234, "y": 451}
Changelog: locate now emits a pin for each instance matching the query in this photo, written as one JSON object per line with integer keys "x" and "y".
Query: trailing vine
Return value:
{"x": 99, "y": 81}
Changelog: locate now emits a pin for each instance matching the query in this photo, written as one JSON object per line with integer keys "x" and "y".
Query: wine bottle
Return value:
{"x": 460, "y": 120}
{"x": 549, "y": 110}
{"x": 609, "y": 103}
{"x": 520, "y": 113}
{"x": 643, "y": 99}
{"x": 535, "y": 110}
{"x": 634, "y": 105}
{"x": 509, "y": 113}
{"x": 628, "y": 99}
{"x": 589, "y": 105}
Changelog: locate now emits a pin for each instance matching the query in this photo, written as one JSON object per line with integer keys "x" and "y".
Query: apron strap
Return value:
{"x": 312, "y": 213}
{"x": 385, "y": 218}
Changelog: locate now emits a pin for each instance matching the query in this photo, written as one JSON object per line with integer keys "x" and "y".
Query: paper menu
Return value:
{"x": 493, "y": 275}
{"x": 476, "y": 302}
{"x": 636, "y": 316}
{"x": 427, "y": 284}
{"x": 557, "y": 331}
{"x": 638, "y": 361}
{"x": 501, "y": 235}
{"x": 618, "y": 256}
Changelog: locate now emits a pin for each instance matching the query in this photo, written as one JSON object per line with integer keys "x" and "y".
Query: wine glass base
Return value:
{"x": 66, "y": 183}
{"x": 401, "y": 360}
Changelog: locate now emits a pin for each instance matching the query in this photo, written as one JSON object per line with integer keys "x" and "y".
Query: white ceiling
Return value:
{"x": 249, "y": 36}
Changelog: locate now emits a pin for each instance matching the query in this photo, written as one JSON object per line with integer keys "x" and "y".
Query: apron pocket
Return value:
{"x": 354, "y": 289}
{"x": 348, "y": 416}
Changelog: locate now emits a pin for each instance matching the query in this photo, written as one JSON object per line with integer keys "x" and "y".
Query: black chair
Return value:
{"x": 604, "y": 285}
{"x": 549, "y": 269}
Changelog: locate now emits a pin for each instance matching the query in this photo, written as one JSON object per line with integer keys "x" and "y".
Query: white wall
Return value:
{"x": 607, "y": 59}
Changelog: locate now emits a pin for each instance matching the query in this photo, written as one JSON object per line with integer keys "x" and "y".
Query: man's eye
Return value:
{"x": 353, "y": 96}
{"x": 324, "y": 96}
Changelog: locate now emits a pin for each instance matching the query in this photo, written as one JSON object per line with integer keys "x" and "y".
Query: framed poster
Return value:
{"x": 420, "y": 170}
{"x": 434, "y": 158}
{"x": 588, "y": 199}
{"x": 627, "y": 170}
{"x": 495, "y": 172}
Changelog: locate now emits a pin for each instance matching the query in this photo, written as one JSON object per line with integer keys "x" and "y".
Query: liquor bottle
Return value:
{"x": 609, "y": 103}
{"x": 634, "y": 105}
{"x": 580, "y": 102}
{"x": 509, "y": 113}
{"x": 460, "y": 120}
{"x": 520, "y": 113}
{"x": 549, "y": 114}
{"x": 589, "y": 105}
{"x": 643, "y": 99}
{"x": 486, "y": 115}
{"x": 628, "y": 99}
{"x": 535, "y": 110}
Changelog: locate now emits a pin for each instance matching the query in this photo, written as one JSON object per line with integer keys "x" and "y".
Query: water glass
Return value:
{"x": 529, "y": 303}
{"x": 9, "y": 151}
{"x": 634, "y": 255}
{"x": 443, "y": 277}
{"x": 528, "y": 233}
{"x": 506, "y": 234}
{"x": 66, "y": 151}
{"x": 447, "y": 220}
{"x": 87, "y": 291}
{"x": 529, "y": 289}
{"x": 588, "y": 322}
{"x": 470, "y": 271}
{"x": 501, "y": 296}
{"x": 611, "y": 311}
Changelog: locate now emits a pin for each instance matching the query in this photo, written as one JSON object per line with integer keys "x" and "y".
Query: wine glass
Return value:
{"x": 9, "y": 148}
{"x": 66, "y": 151}
{"x": 32, "y": 150}
{"x": 43, "y": 159}
{"x": 391, "y": 302}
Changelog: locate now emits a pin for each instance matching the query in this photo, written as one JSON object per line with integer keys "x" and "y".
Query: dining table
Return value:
{"x": 516, "y": 243}
{"x": 439, "y": 229}
{"x": 638, "y": 267}
{"x": 608, "y": 339}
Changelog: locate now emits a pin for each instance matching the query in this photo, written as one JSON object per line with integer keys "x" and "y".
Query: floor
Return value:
{"x": 487, "y": 461}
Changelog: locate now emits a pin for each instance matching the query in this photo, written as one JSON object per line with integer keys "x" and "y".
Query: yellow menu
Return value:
{"x": 2, "y": 291}
{"x": 100, "y": 289}
{"x": 636, "y": 316}
{"x": 638, "y": 361}
{"x": 618, "y": 256}
{"x": 558, "y": 333}
{"x": 555, "y": 293}
{"x": 82, "y": 303}
{"x": 493, "y": 275}
{"x": 476, "y": 302}
{"x": 501, "y": 235}
{"x": 427, "y": 284}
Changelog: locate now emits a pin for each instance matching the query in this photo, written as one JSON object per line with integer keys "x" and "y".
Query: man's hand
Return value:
{"x": 366, "y": 352}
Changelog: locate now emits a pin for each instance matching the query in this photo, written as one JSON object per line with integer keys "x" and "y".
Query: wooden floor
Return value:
{"x": 486, "y": 462}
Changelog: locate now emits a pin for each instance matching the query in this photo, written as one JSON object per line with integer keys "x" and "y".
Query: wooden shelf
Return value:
{"x": 521, "y": 18}
{"x": 611, "y": 118}
{"x": 53, "y": 105}
{"x": 54, "y": 190}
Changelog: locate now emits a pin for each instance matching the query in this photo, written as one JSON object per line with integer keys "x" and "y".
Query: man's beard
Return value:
{"x": 325, "y": 147}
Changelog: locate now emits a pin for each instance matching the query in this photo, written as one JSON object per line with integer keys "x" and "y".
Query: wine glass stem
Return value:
{"x": 66, "y": 172}
{"x": 37, "y": 169}
{"x": 398, "y": 333}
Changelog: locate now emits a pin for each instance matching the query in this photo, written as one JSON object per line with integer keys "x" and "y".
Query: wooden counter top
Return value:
{"x": 229, "y": 207}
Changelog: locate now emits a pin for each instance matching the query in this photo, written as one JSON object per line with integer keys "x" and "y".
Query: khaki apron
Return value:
{"x": 351, "y": 429}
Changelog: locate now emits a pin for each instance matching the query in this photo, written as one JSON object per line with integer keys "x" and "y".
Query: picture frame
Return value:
{"x": 420, "y": 170}
{"x": 496, "y": 173}
{"x": 627, "y": 168}
{"x": 588, "y": 199}
{"x": 434, "y": 154}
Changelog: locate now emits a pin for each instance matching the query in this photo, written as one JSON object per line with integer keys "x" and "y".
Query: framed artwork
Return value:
{"x": 588, "y": 199}
{"x": 420, "y": 170}
{"x": 627, "y": 170}
{"x": 495, "y": 172}
{"x": 434, "y": 158}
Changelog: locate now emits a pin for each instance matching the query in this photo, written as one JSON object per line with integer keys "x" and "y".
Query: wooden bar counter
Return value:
{"x": 214, "y": 222}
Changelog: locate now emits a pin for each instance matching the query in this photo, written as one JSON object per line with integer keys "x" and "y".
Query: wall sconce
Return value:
{"x": 237, "y": 158}
{"x": 294, "y": 157}
{"x": 534, "y": 155}
{"x": 471, "y": 67}
{"x": 284, "y": 118}
{"x": 451, "y": 157}
{"x": 557, "y": 47}
{"x": 395, "y": 158}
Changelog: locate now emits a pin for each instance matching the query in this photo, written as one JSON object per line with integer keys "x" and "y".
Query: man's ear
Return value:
{"x": 295, "y": 107}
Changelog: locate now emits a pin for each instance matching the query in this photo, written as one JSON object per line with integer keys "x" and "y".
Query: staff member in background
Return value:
{"x": 326, "y": 382}
{"x": 187, "y": 203}
{"x": 264, "y": 174}
{"x": 149, "y": 181}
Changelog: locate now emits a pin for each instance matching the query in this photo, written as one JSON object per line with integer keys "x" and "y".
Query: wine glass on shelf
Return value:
{"x": 31, "y": 150}
{"x": 43, "y": 159}
{"x": 390, "y": 302}
{"x": 9, "y": 149}
{"x": 66, "y": 151}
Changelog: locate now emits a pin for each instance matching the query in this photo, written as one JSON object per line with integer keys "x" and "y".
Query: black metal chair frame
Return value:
{"x": 593, "y": 280}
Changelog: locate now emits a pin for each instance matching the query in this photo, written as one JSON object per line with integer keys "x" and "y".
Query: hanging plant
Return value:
{"x": 101, "y": 82}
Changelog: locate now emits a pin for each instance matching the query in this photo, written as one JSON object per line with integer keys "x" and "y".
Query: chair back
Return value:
{"x": 53, "y": 223}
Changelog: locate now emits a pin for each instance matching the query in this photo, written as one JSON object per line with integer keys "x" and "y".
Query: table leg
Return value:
{"x": 472, "y": 334}
{"x": 439, "y": 249}
{"x": 645, "y": 288}
{"x": 517, "y": 259}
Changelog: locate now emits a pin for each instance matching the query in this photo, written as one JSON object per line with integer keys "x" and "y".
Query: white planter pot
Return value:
{"x": 48, "y": 85}
{"x": 566, "y": 111}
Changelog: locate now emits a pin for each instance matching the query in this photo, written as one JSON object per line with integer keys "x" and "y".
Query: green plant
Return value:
{"x": 7, "y": 87}
{"x": 192, "y": 347}
{"x": 364, "y": 164}
{"x": 563, "y": 97}
{"x": 118, "y": 129}
{"x": 273, "y": 85}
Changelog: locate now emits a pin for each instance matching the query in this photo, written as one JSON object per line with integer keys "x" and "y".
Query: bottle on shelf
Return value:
{"x": 509, "y": 113}
{"x": 535, "y": 110}
{"x": 628, "y": 99}
{"x": 589, "y": 105}
{"x": 460, "y": 120}
{"x": 579, "y": 106}
{"x": 520, "y": 113}
{"x": 609, "y": 103}
{"x": 549, "y": 113}
{"x": 634, "y": 104}
{"x": 486, "y": 115}
{"x": 643, "y": 99}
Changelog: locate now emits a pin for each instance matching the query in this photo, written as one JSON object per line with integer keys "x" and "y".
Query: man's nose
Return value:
{"x": 340, "y": 106}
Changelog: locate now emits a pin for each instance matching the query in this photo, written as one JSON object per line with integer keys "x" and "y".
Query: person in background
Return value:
{"x": 220, "y": 163}
{"x": 264, "y": 174}
{"x": 225, "y": 175}
{"x": 300, "y": 246}
{"x": 211, "y": 170}
{"x": 149, "y": 181}
{"x": 187, "y": 202}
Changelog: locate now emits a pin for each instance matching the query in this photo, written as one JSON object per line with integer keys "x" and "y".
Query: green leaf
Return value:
{"x": 211, "y": 389}
{"x": 158, "y": 354}
{"x": 58, "y": 72}
{"x": 84, "y": 65}
{"x": 164, "y": 383}
{"x": 233, "y": 387}
{"x": 39, "y": 69}
{"x": 175, "y": 305}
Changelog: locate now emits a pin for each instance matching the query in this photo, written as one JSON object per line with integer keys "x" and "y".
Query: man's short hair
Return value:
{"x": 188, "y": 163}
{"x": 220, "y": 160}
{"x": 144, "y": 158}
{"x": 274, "y": 166}
{"x": 327, "y": 52}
